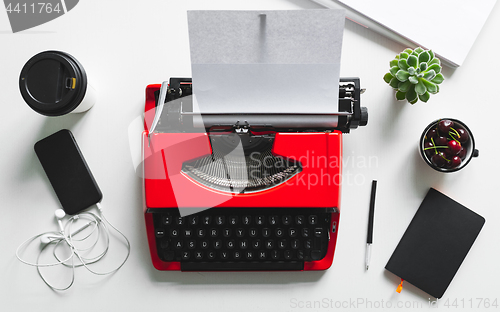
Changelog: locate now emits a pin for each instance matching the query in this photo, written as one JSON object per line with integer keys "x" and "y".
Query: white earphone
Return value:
{"x": 50, "y": 238}
{"x": 60, "y": 214}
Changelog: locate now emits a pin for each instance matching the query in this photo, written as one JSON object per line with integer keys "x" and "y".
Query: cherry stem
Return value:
{"x": 435, "y": 150}
{"x": 455, "y": 132}
{"x": 451, "y": 134}
{"x": 435, "y": 147}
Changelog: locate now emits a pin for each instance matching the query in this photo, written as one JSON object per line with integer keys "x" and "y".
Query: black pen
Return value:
{"x": 369, "y": 238}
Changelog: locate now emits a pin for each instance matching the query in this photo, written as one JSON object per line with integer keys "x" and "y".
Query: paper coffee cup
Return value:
{"x": 54, "y": 83}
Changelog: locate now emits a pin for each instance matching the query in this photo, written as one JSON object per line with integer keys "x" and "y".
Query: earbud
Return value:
{"x": 48, "y": 238}
{"x": 60, "y": 214}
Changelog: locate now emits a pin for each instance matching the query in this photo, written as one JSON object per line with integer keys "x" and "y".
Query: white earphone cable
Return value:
{"x": 99, "y": 228}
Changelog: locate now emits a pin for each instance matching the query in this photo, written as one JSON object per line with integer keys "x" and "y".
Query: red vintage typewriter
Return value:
{"x": 225, "y": 192}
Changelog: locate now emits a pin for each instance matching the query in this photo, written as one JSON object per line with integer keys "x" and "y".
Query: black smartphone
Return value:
{"x": 68, "y": 172}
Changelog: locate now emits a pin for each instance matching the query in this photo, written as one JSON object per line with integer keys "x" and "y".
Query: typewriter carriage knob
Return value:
{"x": 364, "y": 116}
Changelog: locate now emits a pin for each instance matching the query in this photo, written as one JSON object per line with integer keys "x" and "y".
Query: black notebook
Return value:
{"x": 435, "y": 244}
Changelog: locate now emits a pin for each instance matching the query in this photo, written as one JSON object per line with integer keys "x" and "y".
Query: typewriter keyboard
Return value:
{"x": 235, "y": 239}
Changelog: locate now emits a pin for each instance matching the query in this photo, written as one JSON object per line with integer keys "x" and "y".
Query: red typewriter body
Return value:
{"x": 317, "y": 185}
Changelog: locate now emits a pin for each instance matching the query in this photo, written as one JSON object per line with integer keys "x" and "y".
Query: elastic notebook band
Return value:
{"x": 400, "y": 287}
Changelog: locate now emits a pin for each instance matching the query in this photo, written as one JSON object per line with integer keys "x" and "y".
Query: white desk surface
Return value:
{"x": 126, "y": 45}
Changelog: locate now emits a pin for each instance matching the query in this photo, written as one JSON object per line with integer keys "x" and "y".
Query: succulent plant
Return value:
{"x": 415, "y": 74}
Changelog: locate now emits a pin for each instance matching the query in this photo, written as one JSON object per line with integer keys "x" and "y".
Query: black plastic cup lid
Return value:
{"x": 53, "y": 83}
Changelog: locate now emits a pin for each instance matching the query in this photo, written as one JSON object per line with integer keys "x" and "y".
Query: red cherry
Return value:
{"x": 430, "y": 151}
{"x": 431, "y": 134}
{"x": 455, "y": 162}
{"x": 454, "y": 147}
{"x": 462, "y": 153}
{"x": 464, "y": 135}
{"x": 444, "y": 126}
{"x": 438, "y": 160}
{"x": 441, "y": 141}
{"x": 448, "y": 153}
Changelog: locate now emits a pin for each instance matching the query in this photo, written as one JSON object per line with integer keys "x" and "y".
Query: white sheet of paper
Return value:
{"x": 266, "y": 61}
{"x": 448, "y": 27}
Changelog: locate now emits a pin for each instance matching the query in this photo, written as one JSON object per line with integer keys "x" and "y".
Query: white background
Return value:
{"x": 126, "y": 45}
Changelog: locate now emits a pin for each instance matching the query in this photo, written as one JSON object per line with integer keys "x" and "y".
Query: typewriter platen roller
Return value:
{"x": 178, "y": 114}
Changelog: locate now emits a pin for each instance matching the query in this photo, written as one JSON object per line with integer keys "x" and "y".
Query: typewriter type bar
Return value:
{"x": 241, "y": 172}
